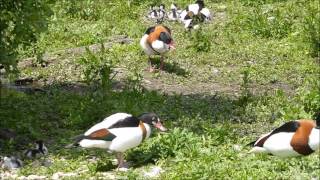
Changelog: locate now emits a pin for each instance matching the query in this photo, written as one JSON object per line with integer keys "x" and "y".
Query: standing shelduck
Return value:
{"x": 157, "y": 40}
{"x": 119, "y": 132}
{"x": 294, "y": 138}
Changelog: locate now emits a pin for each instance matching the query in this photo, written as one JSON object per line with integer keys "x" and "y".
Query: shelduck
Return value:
{"x": 40, "y": 150}
{"x": 294, "y": 138}
{"x": 157, "y": 40}
{"x": 120, "y": 132}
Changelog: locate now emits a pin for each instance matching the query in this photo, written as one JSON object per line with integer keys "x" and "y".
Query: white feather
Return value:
{"x": 108, "y": 122}
{"x": 314, "y": 139}
{"x": 160, "y": 46}
{"x": 187, "y": 23}
{"x": 194, "y": 8}
{"x": 183, "y": 14}
{"x": 257, "y": 149}
{"x": 206, "y": 12}
{"x": 145, "y": 46}
{"x": 279, "y": 144}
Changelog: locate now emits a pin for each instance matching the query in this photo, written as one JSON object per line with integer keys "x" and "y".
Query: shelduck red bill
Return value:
{"x": 159, "y": 126}
{"x": 172, "y": 45}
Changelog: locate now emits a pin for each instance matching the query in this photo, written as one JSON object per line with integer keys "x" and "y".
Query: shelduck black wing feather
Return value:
{"x": 126, "y": 122}
{"x": 288, "y": 127}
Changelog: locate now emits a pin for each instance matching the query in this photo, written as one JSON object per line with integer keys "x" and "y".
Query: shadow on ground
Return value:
{"x": 60, "y": 111}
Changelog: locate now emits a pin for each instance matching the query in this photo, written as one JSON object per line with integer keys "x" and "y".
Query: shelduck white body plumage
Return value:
{"x": 119, "y": 132}
{"x": 157, "y": 40}
{"x": 294, "y": 138}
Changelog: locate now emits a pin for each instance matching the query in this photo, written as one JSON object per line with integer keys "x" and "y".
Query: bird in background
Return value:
{"x": 157, "y": 40}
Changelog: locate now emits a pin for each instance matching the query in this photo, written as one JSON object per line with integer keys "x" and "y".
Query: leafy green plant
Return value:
{"x": 311, "y": 28}
{"x": 99, "y": 66}
{"x": 21, "y": 24}
{"x": 201, "y": 42}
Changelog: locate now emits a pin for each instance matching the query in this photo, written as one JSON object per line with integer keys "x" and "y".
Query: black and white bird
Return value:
{"x": 161, "y": 13}
{"x": 157, "y": 40}
{"x": 120, "y": 132}
{"x": 174, "y": 13}
{"x": 11, "y": 162}
{"x": 153, "y": 13}
{"x": 39, "y": 150}
{"x": 294, "y": 138}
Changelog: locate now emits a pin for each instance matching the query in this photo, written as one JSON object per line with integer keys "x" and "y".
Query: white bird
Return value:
{"x": 294, "y": 138}
{"x": 120, "y": 132}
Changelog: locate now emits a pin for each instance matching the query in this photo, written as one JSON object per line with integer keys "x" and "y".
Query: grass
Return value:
{"x": 234, "y": 79}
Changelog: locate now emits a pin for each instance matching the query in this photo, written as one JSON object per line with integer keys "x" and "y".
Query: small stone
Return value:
{"x": 237, "y": 147}
{"x": 155, "y": 171}
{"x": 33, "y": 177}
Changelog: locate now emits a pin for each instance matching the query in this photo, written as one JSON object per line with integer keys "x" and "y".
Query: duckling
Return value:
{"x": 294, "y": 138}
{"x": 11, "y": 162}
{"x": 161, "y": 14}
{"x": 174, "y": 13}
{"x": 157, "y": 40}
{"x": 40, "y": 150}
{"x": 153, "y": 14}
{"x": 120, "y": 132}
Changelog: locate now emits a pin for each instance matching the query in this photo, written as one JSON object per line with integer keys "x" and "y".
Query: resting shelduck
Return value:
{"x": 120, "y": 132}
{"x": 294, "y": 138}
{"x": 157, "y": 40}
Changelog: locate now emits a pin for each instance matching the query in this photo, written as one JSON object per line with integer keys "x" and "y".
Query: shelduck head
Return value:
{"x": 152, "y": 119}
{"x": 167, "y": 39}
